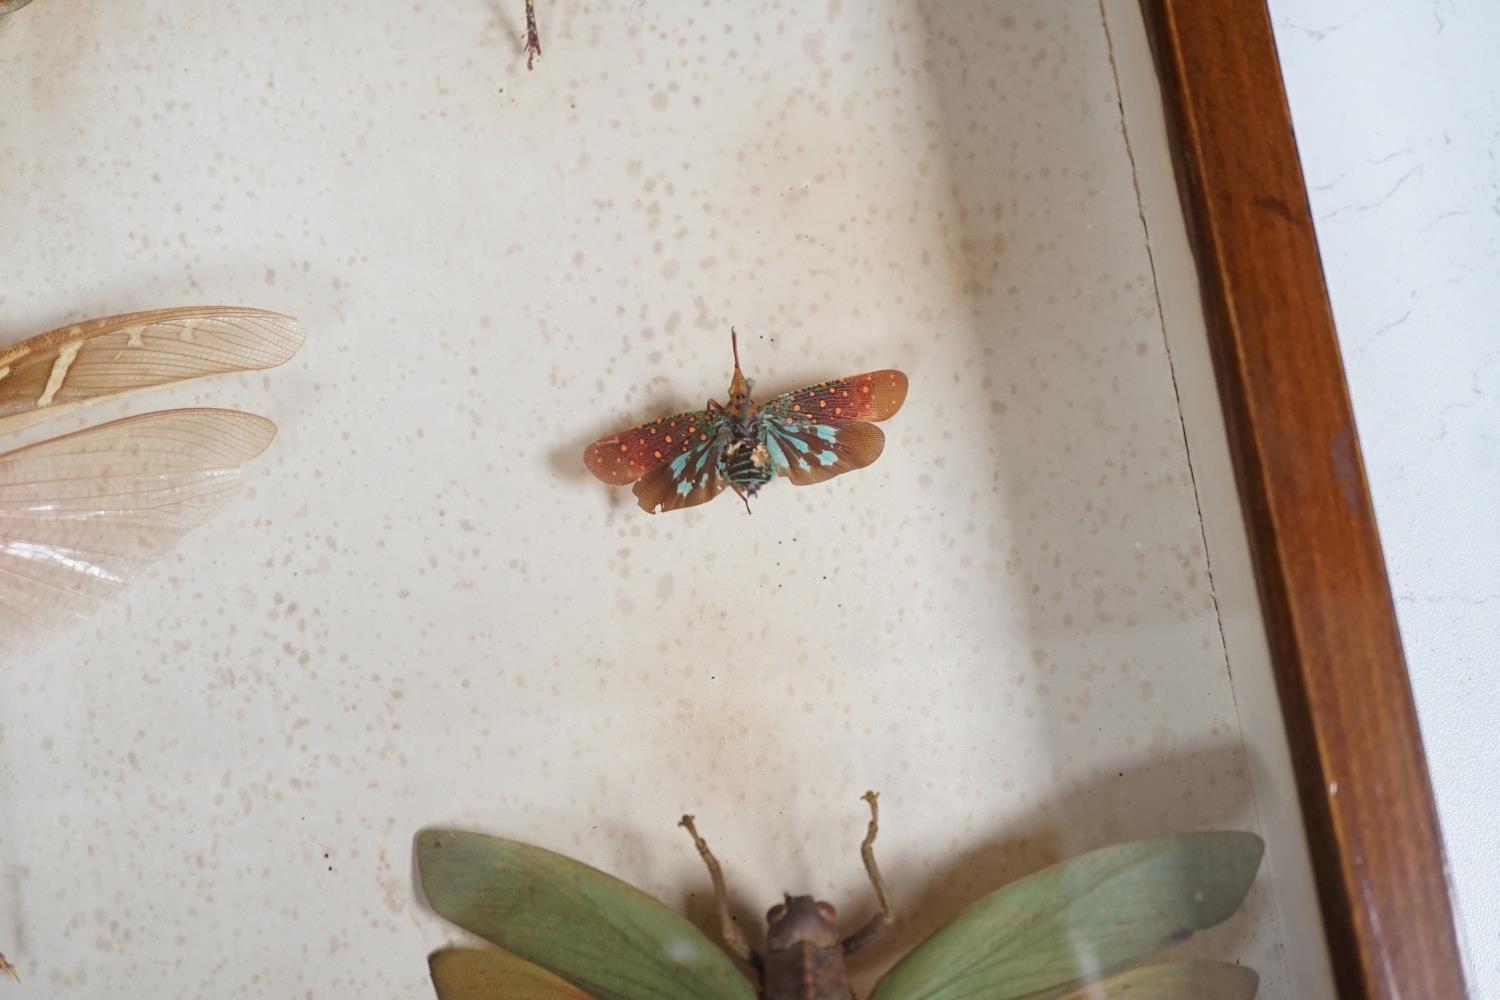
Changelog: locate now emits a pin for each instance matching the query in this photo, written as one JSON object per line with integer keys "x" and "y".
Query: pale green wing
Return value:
{"x": 1080, "y": 920}
{"x": 588, "y": 927}
{"x": 469, "y": 974}
{"x": 1173, "y": 981}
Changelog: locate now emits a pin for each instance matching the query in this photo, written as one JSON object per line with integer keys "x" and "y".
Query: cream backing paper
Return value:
{"x": 423, "y": 611}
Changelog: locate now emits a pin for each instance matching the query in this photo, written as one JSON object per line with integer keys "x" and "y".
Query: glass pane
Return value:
{"x": 1031, "y": 625}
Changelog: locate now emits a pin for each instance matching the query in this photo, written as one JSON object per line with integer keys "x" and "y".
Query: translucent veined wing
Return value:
{"x": 623, "y": 458}
{"x": 1170, "y": 981}
{"x": 82, "y": 513}
{"x": 808, "y": 453}
{"x": 870, "y": 396}
{"x": 1080, "y": 920}
{"x": 592, "y": 929}
{"x": 470, "y": 974}
{"x": 101, "y": 358}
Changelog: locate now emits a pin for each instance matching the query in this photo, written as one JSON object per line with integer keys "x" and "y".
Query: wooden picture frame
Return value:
{"x": 1371, "y": 822}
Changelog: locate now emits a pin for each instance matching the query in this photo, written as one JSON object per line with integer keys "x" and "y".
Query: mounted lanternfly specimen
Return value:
{"x": 572, "y": 932}
{"x": 809, "y": 436}
{"x": 83, "y": 513}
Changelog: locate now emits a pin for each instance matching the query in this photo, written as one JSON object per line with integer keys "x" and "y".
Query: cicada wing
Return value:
{"x": 470, "y": 974}
{"x": 597, "y": 932}
{"x": 102, "y": 358}
{"x": 1081, "y": 919}
{"x": 1170, "y": 981}
{"x": 83, "y": 513}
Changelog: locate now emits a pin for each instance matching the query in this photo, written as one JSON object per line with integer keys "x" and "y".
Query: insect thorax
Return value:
{"x": 746, "y": 463}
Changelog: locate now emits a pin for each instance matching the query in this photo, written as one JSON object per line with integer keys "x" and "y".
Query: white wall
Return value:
{"x": 1398, "y": 120}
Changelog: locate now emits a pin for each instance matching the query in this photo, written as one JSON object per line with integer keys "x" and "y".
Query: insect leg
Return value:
{"x": 533, "y": 40}
{"x": 743, "y": 499}
{"x": 728, "y": 929}
{"x": 870, "y": 931}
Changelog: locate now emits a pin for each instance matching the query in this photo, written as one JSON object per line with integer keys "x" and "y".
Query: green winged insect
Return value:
{"x": 571, "y": 932}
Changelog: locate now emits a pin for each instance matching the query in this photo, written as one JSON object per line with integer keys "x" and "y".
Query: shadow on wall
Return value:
{"x": 1092, "y": 483}
{"x": 1092, "y": 475}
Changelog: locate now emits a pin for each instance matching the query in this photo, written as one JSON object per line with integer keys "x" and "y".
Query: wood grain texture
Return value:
{"x": 1361, "y": 771}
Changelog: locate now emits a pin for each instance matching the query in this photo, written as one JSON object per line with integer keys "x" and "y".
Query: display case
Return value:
{"x": 1114, "y": 576}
